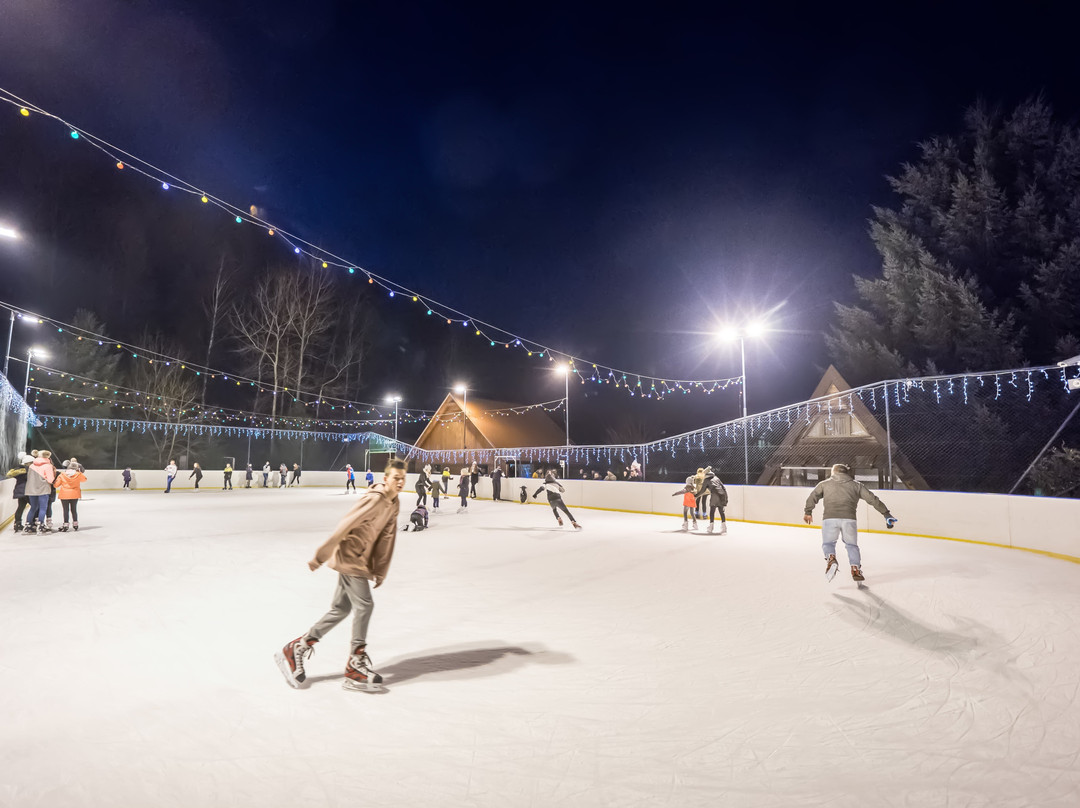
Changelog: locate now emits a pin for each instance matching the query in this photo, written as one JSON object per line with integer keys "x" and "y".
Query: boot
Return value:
{"x": 709, "y": 529}
{"x": 685, "y": 526}
{"x": 830, "y": 567}
{"x": 74, "y": 525}
{"x": 559, "y": 520}
{"x": 358, "y": 672}
{"x": 64, "y": 527}
{"x": 290, "y": 660}
{"x": 695, "y": 524}
{"x": 723, "y": 528}
{"x": 856, "y": 574}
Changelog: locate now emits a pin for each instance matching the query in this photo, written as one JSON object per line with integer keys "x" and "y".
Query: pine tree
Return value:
{"x": 980, "y": 261}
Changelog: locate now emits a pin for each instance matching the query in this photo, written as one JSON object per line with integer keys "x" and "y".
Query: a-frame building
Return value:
{"x": 489, "y": 425}
{"x": 846, "y": 432}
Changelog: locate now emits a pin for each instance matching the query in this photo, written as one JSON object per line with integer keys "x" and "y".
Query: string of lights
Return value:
{"x": 636, "y": 384}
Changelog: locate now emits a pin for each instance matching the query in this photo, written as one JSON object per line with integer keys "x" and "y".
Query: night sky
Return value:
{"x": 611, "y": 184}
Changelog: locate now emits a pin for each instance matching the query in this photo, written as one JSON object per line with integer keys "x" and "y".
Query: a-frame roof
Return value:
{"x": 487, "y": 428}
{"x": 800, "y": 445}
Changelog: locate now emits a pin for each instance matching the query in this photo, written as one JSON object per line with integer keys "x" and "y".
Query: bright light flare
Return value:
{"x": 9, "y": 232}
{"x": 756, "y": 329}
{"x": 460, "y": 388}
{"x": 40, "y": 353}
{"x": 562, "y": 369}
{"x": 728, "y": 333}
{"x": 392, "y": 399}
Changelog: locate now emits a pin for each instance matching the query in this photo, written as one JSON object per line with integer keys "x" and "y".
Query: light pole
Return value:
{"x": 394, "y": 400}
{"x": 29, "y": 356}
{"x": 11, "y": 330}
{"x": 464, "y": 413}
{"x": 752, "y": 329}
{"x": 565, "y": 371}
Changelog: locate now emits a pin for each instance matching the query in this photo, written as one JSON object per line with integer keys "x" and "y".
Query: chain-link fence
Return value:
{"x": 966, "y": 432}
{"x": 15, "y": 416}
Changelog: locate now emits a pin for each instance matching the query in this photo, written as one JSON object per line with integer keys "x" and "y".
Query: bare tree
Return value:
{"x": 168, "y": 393}
{"x": 216, "y": 306}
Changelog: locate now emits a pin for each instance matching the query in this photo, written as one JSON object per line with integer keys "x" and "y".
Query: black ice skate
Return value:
{"x": 358, "y": 673}
{"x": 831, "y": 567}
{"x": 291, "y": 660}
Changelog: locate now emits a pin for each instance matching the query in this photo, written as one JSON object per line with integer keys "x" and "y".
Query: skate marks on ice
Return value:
{"x": 463, "y": 662}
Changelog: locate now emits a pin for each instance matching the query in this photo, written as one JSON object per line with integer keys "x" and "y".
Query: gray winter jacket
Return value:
{"x": 842, "y": 494}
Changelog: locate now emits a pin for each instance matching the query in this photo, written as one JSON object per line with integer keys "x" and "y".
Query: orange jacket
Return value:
{"x": 68, "y": 485}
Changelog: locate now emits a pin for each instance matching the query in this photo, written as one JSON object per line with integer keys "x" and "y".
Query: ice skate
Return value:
{"x": 709, "y": 529}
{"x": 723, "y": 528}
{"x": 685, "y": 526}
{"x": 695, "y": 525}
{"x": 75, "y": 526}
{"x": 65, "y": 527}
{"x": 358, "y": 673}
{"x": 576, "y": 526}
{"x": 559, "y": 520}
{"x": 17, "y": 528}
{"x": 856, "y": 574}
{"x": 830, "y": 567}
{"x": 291, "y": 660}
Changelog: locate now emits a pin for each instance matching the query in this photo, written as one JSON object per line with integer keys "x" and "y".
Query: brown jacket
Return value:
{"x": 363, "y": 543}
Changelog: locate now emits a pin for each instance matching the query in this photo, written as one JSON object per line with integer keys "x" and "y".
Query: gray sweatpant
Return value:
{"x": 352, "y": 594}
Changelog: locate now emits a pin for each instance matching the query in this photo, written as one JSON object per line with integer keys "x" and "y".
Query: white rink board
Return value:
{"x": 625, "y": 665}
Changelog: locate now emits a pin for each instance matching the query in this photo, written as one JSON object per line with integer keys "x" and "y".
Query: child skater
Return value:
{"x": 554, "y": 494}
{"x": 463, "y": 490}
{"x": 689, "y": 502}
{"x": 436, "y": 489}
{"x": 69, "y": 491}
{"x": 418, "y": 519}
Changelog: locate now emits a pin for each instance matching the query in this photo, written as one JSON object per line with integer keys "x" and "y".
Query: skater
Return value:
{"x": 296, "y": 471}
{"x": 170, "y": 475}
{"x": 463, "y": 490}
{"x": 418, "y": 519}
{"x": 283, "y": 470}
{"x": 69, "y": 488}
{"x": 360, "y": 550}
{"x": 718, "y": 499}
{"x": 689, "y": 502}
{"x": 197, "y": 473}
{"x": 350, "y": 478}
{"x": 555, "y": 491}
{"x": 248, "y": 474}
{"x": 446, "y": 480}
{"x": 474, "y": 478}
{"x": 228, "y": 477}
{"x": 18, "y": 473}
{"x": 699, "y": 480}
{"x": 369, "y": 478}
{"x": 610, "y": 476}
{"x": 266, "y": 474}
{"x": 436, "y": 490}
{"x": 126, "y": 474}
{"x": 842, "y": 493}
{"x": 39, "y": 484}
{"x": 423, "y": 483}
{"x": 496, "y": 484}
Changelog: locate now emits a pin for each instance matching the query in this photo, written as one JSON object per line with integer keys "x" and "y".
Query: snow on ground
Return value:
{"x": 626, "y": 665}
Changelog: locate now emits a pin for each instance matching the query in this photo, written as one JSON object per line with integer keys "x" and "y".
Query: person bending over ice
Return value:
{"x": 555, "y": 491}
{"x": 359, "y": 549}
{"x": 842, "y": 493}
{"x": 418, "y": 519}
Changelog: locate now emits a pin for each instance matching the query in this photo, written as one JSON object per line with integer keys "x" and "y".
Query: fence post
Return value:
{"x": 888, "y": 438}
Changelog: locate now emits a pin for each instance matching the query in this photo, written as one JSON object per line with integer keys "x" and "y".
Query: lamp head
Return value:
{"x": 728, "y": 333}
{"x": 460, "y": 388}
{"x": 756, "y": 328}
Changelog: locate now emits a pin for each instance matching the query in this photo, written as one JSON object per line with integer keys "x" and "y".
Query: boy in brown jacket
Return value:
{"x": 360, "y": 549}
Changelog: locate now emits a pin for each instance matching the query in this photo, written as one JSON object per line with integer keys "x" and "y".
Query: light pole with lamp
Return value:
{"x": 753, "y": 329}
{"x": 11, "y": 329}
{"x": 394, "y": 400}
{"x": 565, "y": 371}
{"x": 29, "y": 357}
{"x": 464, "y": 413}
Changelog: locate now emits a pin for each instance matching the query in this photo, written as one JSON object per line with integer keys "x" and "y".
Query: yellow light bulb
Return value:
{"x": 204, "y": 199}
{"x": 24, "y": 112}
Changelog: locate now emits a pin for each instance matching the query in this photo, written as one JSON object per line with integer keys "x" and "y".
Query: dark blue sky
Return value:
{"x": 607, "y": 182}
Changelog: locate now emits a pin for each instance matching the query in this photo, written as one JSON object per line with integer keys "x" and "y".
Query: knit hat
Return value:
{"x": 26, "y": 460}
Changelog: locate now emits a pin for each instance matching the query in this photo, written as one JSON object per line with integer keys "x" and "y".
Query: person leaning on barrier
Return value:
{"x": 842, "y": 493}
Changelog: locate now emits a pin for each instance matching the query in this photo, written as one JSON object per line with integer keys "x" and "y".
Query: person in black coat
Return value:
{"x": 19, "y": 491}
{"x": 496, "y": 484}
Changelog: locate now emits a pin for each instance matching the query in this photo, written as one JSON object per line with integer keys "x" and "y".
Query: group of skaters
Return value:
{"x": 704, "y": 495}
{"x": 361, "y": 547}
{"x": 197, "y": 474}
{"x": 39, "y": 482}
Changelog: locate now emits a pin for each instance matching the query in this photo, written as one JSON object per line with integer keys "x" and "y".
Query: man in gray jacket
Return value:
{"x": 842, "y": 494}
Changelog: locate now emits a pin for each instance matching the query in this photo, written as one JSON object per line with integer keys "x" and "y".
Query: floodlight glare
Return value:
{"x": 757, "y": 328}
{"x": 728, "y": 333}
{"x": 9, "y": 232}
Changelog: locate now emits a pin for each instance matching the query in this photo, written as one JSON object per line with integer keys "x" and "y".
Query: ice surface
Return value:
{"x": 625, "y": 665}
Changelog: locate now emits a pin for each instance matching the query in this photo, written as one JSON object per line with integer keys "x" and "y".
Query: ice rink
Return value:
{"x": 527, "y": 665}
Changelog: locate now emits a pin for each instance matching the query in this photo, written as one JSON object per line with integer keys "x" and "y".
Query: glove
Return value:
{"x": 890, "y": 521}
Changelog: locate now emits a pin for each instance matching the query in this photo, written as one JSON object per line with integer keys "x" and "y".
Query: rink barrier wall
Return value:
{"x": 1039, "y": 524}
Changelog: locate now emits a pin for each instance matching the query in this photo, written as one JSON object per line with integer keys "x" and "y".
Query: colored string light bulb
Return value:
{"x": 120, "y": 165}
{"x": 24, "y": 112}
{"x": 74, "y": 135}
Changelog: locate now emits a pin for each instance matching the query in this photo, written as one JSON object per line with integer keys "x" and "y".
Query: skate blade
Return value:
{"x": 830, "y": 574}
{"x": 362, "y": 687}
{"x": 286, "y": 671}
